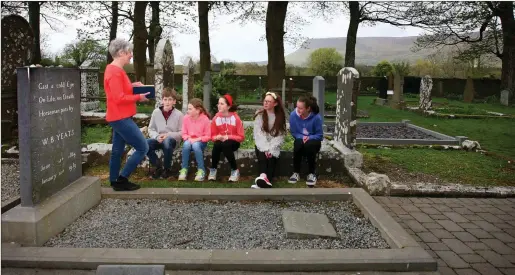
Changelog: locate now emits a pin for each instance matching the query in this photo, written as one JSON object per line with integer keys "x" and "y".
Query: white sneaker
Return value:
{"x": 235, "y": 175}
{"x": 294, "y": 178}
{"x": 254, "y": 186}
{"x": 212, "y": 174}
{"x": 312, "y": 180}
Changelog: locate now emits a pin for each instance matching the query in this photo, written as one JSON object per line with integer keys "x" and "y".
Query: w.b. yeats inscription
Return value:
{"x": 49, "y": 131}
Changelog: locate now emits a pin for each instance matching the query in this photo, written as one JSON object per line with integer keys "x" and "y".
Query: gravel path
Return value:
{"x": 161, "y": 224}
{"x": 398, "y": 132}
{"x": 10, "y": 180}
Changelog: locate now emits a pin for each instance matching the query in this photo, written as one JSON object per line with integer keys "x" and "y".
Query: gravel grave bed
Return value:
{"x": 397, "y": 132}
{"x": 162, "y": 224}
{"x": 10, "y": 180}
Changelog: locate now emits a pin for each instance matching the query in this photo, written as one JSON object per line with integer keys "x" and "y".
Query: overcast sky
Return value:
{"x": 232, "y": 41}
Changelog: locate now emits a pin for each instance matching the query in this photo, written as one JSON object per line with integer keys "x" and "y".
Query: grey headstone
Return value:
{"x": 163, "y": 68}
{"x": 89, "y": 87}
{"x": 188, "y": 70}
{"x": 398, "y": 87}
{"x": 319, "y": 94}
{"x": 300, "y": 225}
{"x": 426, "y": 85}
{"x": 208, "y": 88}
{"x": 346, "y": 106}
{"x": 17, "y": 41}
{"x": 216, "y": 67}
{"x": 505, "y": 97}
{"x": 130, "y": 270}
{"x": 49, "y": 131}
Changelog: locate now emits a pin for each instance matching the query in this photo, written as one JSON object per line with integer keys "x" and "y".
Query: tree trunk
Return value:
{"x": 114, "y": 27}
{"x": 205, "y": 48}
{"x": 154, "y": 33}
{"x": 508, "y": 53}
{"x": 352, "y": 33}
{"x": 140, "y": 40}
{"x": 34, "y": 13}
{"x": 275, "y": 17}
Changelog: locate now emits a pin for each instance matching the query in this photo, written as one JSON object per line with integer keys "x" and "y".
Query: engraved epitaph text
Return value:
{"x": 49, "y": 131}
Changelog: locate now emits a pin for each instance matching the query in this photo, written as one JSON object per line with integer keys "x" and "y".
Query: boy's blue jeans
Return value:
{"x": 168, "y": 145}
{"x": 125, "y": 131}
{"x": 198, "y": 149}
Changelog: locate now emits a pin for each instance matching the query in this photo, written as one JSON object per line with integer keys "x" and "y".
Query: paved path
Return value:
{"x": 466, "y": 236}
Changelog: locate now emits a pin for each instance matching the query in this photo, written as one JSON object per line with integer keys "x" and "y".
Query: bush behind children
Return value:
{"x": 168, "y": 126}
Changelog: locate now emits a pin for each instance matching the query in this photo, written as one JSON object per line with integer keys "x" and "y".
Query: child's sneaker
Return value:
{"x": 183, "y": 173}
{"x": 312, "y": 180}
{"x": 262, "y": 181}
{"x": 200, "y": 175}
{"x": 254, "y": 186}
{"x": 235, "y": 175}
{"x": 294, "y": 178}
{"x": 212, "y": 174}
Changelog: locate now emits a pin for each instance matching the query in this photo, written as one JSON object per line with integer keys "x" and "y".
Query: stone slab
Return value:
{"x": 301, "y": 225}
{"x": 33, "y": 226}
{"x": 399, "y": 260}
{"x": 131, "y": 270}
{"x": 234, "y": 194}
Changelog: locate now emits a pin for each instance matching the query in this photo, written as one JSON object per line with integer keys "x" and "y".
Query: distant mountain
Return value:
{"x": 369, "y": 50}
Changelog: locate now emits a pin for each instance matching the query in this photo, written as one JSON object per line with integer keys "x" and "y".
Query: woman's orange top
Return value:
{"x": 121, "y": 102}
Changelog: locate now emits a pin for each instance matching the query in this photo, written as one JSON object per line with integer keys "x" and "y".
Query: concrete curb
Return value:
{"x": 10, "y": 204}
{"x": 405, "y": 253}
{"x": 451, "y": 190}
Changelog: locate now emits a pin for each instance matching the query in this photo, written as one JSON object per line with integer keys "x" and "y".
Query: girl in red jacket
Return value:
{"x": 227, "y": 134}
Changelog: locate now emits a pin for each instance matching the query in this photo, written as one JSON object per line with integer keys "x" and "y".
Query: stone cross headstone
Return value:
{"x": 346, "y": 106}
{"x": 208, "y": 88}
{"x": 319, "y": 94}
{"x": 468, "y": 94}
{"x": 50, "y": 131}
{"x": 188, "y": 70}
{"x": 17, "y": 41}
{"x": 164, "y": 67}
{"x": 505, "y": 97}
{"x": 426, "y": 85}
{"x": 283, "y": 92}
{"x": 89, "y": 87}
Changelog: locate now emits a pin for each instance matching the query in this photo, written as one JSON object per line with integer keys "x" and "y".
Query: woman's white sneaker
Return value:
{"x": 294, "y": 178}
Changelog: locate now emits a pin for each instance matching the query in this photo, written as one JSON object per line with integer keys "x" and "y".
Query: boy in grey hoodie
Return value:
{"x": 165, "y": 130}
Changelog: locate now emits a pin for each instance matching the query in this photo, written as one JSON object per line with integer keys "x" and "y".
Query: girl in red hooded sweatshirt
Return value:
{"x": 227, "y": 134}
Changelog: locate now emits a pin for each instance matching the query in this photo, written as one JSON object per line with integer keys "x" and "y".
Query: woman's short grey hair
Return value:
{"x": 118, "y": 45}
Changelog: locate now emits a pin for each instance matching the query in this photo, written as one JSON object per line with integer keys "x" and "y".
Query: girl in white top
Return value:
{"x": 269, "y": 133}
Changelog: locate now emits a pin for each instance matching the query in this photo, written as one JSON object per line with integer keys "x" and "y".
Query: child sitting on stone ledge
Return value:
{"x": 165, "y": 129}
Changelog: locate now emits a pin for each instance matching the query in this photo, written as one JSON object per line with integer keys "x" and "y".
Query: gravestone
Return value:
{"x": 17, "y": 41}
{"x": 346, "y": 106}
{"x": 468, "y": 94}
{"x": 50, "y": 131}
{"x": 216, "y": 67}
{"x": 383, "y": 87}
{"x": 52, "y": 189}
{"x": 300, "y": 225}
{"x": 440, "y": 88}
{"x": 319, "y": 94}
{"x": 89, "y": 87}
{"x": 505, "y": 97}
{"x": 426, "y": 85}
{"x": 187, "y": 83}
{"x": 163, "y": 69}
{"x": 398, "y": 87}
{"x": 208, "y": 88}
